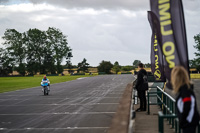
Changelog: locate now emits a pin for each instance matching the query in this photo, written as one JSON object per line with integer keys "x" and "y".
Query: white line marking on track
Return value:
{"x": 60, "y": 104}
{"x": 81, "y": 78}
{"x": 49, "y": 98}
{"x": 63, "y": 113}
{"x": 67, "y": 128}
{"x": 113, "y": 79}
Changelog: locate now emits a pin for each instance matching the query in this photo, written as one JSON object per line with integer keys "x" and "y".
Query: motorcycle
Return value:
{"x": 45, "y": 86}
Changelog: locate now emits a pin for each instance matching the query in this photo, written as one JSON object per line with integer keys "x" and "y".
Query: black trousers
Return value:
{"x": 189, "y": 130}
{"x": 142, "y": 97}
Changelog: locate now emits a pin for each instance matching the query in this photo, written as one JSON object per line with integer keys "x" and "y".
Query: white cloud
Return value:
{"x": 128, "y": 13}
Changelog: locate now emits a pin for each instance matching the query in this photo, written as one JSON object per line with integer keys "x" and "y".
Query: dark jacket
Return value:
{"x": 140, "y": 80}
{"x": 187, "y": 108}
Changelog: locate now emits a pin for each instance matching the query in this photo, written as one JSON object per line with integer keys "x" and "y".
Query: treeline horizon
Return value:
{"x": 40, "y": 51}
{"x": 34, "y": 51}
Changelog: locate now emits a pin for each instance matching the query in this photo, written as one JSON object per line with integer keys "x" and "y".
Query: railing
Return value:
{"x": 167, "y": 104}
{"x": 157, "y": 94}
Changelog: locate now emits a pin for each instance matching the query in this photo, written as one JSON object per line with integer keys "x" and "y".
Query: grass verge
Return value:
{"x": 17, "y": 83}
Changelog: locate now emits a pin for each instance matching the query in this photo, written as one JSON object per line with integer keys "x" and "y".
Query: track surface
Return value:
{"x": 196, "y": 83}
{"x": 82, "y": 106}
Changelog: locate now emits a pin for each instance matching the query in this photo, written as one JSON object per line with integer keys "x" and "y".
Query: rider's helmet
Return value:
{"x": 45, "y": 77}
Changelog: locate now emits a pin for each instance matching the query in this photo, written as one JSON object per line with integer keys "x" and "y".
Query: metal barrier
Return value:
{"x": 156, "y": 94}
{"x": 167, "y": 104}
{"x": 135, "y": 95}
{"x": 161, "y": 117}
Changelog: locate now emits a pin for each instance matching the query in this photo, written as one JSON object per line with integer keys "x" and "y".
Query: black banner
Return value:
{"x": 157, "y": 63}
{"x": 173, "y": 34}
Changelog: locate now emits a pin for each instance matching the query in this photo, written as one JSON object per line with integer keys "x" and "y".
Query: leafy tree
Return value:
{"x": 105, "y": 66}
{"x": 49, "y": 60}
{"x": 197, "y": 46}
{"x": 6, "y": 63}
{"x": 16, "y": 49}
{"x": 69, "y": 65}
{"x": 48, "y": 64}
{"x": 83, "y": 66}
{"x": 21, "y": 69}
{"x": 127, "y": 68}
{"x": 148, "y": 65}
{"x": 1, "y": 61}
{"x": 192, "y": 63}
{"x": 34, "y": 51}
{"x": 116, "y": 67}
{"x": 58, "y": 42}
{"x": 1, "y": 55}
{"x": 135, "y": 63}
{"x": 35, "y": 41}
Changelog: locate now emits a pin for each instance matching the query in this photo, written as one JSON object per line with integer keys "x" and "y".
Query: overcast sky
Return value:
{"x": 110, "y": 30}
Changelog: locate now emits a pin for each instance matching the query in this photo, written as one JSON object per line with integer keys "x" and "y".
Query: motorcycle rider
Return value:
{"x": 47, "y": 80}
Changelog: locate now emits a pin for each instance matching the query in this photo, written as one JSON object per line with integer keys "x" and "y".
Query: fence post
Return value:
{"x": 173, "y": 113}
{"x": 167, "y": 110}
{"x": 157, "y": 94}
{"x": 170, "y": 109}
{"x": 161, "y": 96}
{"x": 176, "y": 126}
{"x": 160, "y": 122}
{"x": 164, "y": 103}
{"x": 148, "y": 112}
{"x": 199, "y": 127}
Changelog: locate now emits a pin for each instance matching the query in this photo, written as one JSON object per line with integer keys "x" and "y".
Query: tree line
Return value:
{"x": 104, "y": 67}
{"x": 40, "y": 51}
{"x": 34, "y": 51}
{"x": 195, "y": 63}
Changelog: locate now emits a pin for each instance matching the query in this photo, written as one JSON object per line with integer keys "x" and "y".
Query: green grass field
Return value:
{"x": 17, "y": 83}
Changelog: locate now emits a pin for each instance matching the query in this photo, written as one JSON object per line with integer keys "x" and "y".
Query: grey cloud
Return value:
{"x": 98, "y": 4}
{"x": 4, "y": 1}
{"x": 8, "y": 2}
{"x": 112, "y": 4}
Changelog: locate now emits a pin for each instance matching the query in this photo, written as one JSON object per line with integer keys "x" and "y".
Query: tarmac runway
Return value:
{"x": 196, "y": 83}
{"x": 86, "y": 105}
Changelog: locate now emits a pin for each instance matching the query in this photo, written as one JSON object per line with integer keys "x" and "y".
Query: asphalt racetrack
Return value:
{"x": 85, "y": 105}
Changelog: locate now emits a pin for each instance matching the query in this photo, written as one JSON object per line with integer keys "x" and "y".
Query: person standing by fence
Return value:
{"x": 141, "y": 88}
{"x": 186, "y": 101}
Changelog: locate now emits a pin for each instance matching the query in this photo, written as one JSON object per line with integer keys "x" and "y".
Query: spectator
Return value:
{"x": 186, "y": 101}
{"x": 140, "y": 87}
